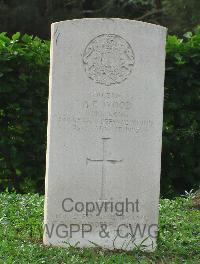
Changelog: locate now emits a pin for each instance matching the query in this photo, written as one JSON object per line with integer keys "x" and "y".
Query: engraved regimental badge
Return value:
{"x": 108, "y": 59}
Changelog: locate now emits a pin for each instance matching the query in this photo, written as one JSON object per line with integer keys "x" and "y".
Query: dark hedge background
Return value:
{"x": 35, "y": 16}
{"x": 24, "y": 69}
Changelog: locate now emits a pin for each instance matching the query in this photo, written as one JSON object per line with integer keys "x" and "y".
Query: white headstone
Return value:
{"x": 104, "y": 133}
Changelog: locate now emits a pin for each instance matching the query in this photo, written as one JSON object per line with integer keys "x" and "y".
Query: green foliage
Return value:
{"x": 24, "y": 64}
{"x": 21, "y": 220}
{"x": 181, "y": 138}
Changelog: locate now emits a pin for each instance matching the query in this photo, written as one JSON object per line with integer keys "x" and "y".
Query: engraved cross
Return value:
{"x": 103, "y": 161}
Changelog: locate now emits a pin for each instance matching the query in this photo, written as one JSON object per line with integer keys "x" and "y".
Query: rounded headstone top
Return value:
{"x": 116, "y": 20}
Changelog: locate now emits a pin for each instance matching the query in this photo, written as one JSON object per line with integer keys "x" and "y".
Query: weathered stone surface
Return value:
{"x": 104, "y": 133}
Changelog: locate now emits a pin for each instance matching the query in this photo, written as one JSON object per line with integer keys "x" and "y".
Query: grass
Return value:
{"x": 21, "y": 219}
